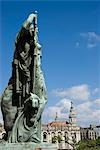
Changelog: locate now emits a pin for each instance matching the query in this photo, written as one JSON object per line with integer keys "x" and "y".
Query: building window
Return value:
{"x": 81, "y": 136}
{"x": 66, "y": 137}
{"x": 44, "y": 137}
{"x": 59, "y": 133}
{"x": 75, "y": 135}
{"x": 95, "y": 136}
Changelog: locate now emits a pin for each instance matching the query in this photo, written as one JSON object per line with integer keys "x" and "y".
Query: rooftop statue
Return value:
{"x": 24, "y": 99}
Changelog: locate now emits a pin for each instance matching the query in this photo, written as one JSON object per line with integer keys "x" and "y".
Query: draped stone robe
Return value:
{"x": 19, "y": 89}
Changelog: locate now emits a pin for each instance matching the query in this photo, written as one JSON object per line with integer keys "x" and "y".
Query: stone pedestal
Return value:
{"x": 27, "y": 146}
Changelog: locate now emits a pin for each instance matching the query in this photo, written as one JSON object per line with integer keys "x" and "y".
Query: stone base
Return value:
{"x": 27, "y": 146}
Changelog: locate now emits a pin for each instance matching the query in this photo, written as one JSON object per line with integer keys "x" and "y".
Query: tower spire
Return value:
{"x": 71, "y": 104}
{"x": 72, "y": 115}
{"x": 56, "y": 118}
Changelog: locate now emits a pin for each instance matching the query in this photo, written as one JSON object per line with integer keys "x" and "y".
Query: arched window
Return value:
{"x": 44, "y": 137}
{"x": 75, "y": 135}
{"x": 66, "y": 137}
{"x": 59, "y": 133}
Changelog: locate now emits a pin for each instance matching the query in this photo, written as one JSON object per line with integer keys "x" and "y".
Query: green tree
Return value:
{"x": 89, "y": 145}
{"x": 59, "y": 139}
{"x": 98, "y": 142}
{"x": 56, "y": 139}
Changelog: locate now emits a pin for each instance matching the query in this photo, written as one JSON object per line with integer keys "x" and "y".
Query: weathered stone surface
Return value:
{"x": 27, "y": 146}
{"x": 24, "y": 99}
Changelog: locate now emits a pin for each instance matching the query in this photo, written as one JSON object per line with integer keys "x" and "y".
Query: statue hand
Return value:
{"x": 27, "y": 24}
{"x": 31, "y": 17}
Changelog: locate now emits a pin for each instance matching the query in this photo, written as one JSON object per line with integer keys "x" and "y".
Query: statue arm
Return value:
{"x": 29, "y": 21}
{"x": 25, "y": 29}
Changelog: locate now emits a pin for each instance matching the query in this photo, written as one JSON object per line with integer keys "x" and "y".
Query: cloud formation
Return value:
{"x": 61, "y": 108}
{"x": 93, "y": 39}
{"x": 87, "y": 108}
{"x": 88, "y": 112}
{"x": 79, "y": 92}
{"x": 97, "y": 102}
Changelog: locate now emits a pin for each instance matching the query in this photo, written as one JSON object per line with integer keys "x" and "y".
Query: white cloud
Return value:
{"x": 96, "y": 91}
{"x": 91, "y": 35}
{"x": 97, "y": 102}
{"x": 84, "y": 107}
{"x": 61, "y": 108}
{"x": 88, "y": 108}
{"x": 86, "y": 112}
{"x": 79, "y": 92}
{"x": 96, "y": 115}
{"x": 91, "y": 45}
{"x": 64, "y": 103}
{"x": 93, "y": 39}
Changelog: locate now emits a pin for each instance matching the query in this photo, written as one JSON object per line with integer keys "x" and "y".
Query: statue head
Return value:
{"x": 31, "y": 107}
{"x": 34, "y": 100}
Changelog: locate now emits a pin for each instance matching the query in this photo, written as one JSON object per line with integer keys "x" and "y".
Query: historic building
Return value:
{"x": 64, "y": 133}
{"x": 2, "y": 131}
{"x": 90, "y": 133}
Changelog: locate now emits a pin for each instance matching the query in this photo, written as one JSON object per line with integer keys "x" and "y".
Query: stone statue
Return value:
{"x": 24, "y": 99}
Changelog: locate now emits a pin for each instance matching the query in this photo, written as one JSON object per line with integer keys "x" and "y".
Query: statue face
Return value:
{"x": 35, "y": 101}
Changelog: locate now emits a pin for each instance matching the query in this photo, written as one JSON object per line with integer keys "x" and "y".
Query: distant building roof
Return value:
{"x": 58, "y": 124}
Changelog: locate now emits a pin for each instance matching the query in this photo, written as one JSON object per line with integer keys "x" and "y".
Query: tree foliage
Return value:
{"x": 89, "y": 145}
{"x": 56, "y": 139}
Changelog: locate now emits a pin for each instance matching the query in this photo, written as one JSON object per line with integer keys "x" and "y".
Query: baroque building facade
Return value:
{"x": 64, "y": 133}
{"x": 2, "y": 131}
{"x": 90, "y": 133}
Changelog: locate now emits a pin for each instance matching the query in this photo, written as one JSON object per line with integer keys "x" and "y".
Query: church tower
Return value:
{"x": 72, "y": 115}
{"x": 56, "y": 118}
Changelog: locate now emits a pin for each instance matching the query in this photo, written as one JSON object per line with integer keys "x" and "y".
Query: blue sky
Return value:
{"x": 70, "y": 36}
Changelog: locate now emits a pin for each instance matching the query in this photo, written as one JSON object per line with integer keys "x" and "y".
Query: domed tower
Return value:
{"x": 72, "y": 115}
